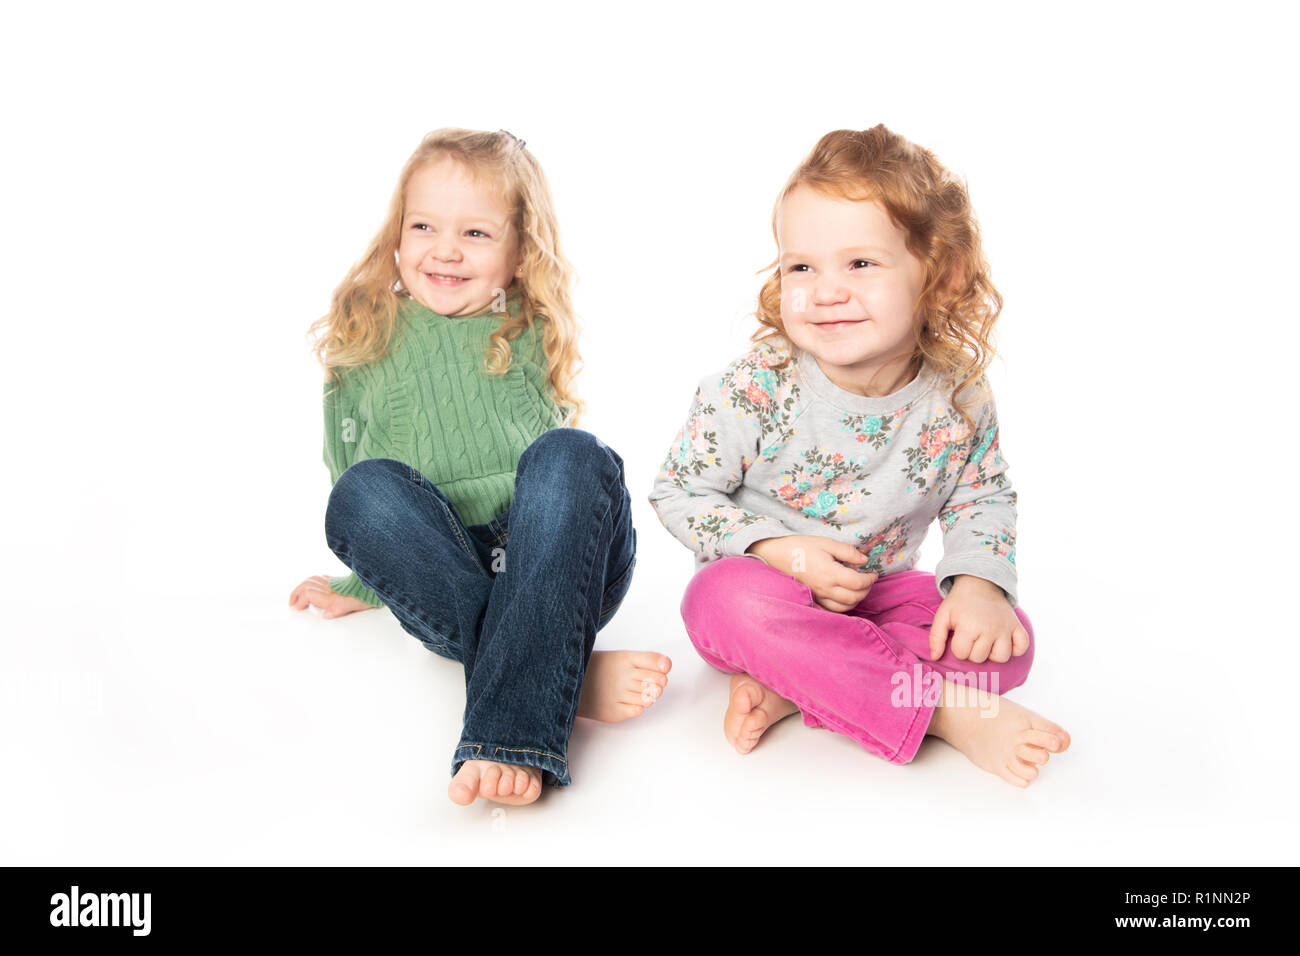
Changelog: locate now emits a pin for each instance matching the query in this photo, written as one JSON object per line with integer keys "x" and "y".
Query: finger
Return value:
{"x": 845, "y": 596}
{"x": 337, "y": 605}
{"x": 853, "y": 580}
{"x": 939, "y": 633}
{"x": 312, "y": 597}
{"x": 327, "y": 602}
{"x": 1019, "y": 641}
{"x": 831, "y": 605}
{"x": 961, "y": 644}
{"x": 1001, "y": 652}
{"x": 979, "y": 649}
{"x": 319, "y": 582}
{"x": 845, "y": 551}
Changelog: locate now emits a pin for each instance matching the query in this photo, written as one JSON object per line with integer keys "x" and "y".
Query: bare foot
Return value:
{"x": 995, "y": 733}
{"x": 622, "y": 684}
{"x": 751, "y": 710}
{"x": 500, "y": 782}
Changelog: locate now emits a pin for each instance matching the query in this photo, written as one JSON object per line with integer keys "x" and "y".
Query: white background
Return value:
{"x": 183, "y": 187}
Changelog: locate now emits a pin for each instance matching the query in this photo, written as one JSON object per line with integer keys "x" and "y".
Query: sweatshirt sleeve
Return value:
{"x": 343, "y": 427}
{"x": 706, "y": 463}
{"x": 979, "y": 517}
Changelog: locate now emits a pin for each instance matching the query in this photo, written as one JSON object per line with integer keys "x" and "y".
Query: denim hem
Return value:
{"x": 555, "y": 769}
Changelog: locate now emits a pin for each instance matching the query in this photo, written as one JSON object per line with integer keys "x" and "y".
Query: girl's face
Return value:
{"x": 458, "y": 246}
{"x": 849, "y": 288}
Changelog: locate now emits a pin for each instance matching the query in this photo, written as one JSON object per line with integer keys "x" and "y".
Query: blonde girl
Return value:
{"x": 465, "y": 499}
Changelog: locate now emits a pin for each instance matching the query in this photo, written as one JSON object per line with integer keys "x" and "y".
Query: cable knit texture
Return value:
{"x": 429, "y": 403}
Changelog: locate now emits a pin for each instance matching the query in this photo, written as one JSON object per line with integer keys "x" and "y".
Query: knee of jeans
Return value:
{"x": 574, "y": 445}
{"x": 355, "y": 490}
{"x": 729, "y": 589}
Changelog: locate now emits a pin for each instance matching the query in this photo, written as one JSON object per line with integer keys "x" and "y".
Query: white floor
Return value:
{"x": 184, "y": 735}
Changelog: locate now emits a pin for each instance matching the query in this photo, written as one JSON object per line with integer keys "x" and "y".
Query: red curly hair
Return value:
{"x": 958, "y": 306}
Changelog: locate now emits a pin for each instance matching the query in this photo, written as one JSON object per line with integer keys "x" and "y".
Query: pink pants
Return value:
{"x": 865, "y": 673}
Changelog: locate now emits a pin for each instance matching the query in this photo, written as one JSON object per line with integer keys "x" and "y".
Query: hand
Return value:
{"x": 316, "y": 592}
{"x": 984, "y": 624}
{"x": 812, "y": 560}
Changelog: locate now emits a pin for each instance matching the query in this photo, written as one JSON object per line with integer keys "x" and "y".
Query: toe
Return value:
{"x": 534, "y": 789}
{"x": 1043, "y": 739}
{"x": 655, "y": 677}
{"x": 1040, "y": 723}
{"x": 506, "y": 785}
{"x": 1022, "y": 769}
{"x": 488, "y": 782}
{"x": 1011, "y": 778}
{"x": 745, "y": 697}
{"x": 464, "y": 786}
{"x": 651, "y": 661}
{"x": 1010, "y": 775}
{"x": 1030, "y": 754}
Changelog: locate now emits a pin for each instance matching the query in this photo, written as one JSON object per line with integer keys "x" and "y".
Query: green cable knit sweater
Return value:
{"x": 429, "y": 403}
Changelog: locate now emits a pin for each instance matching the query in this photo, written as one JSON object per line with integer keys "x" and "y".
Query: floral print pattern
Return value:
{"x": 756, "y": 449}
{"x": 822, "y": 484}
{"x": 695, "y": 447}
{"x": 718, "y": 524}
{"x": 986, "y": 466}
{"x": 875, "y": 430}
{"x": 771, "y": 395}
{"x": 939, "y": 455}
{"x": 886, "y": 547}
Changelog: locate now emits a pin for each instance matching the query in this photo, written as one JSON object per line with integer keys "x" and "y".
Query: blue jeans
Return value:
{"x": 517, "y": 601}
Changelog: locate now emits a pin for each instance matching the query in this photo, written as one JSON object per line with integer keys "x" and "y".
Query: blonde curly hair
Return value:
{"x": 358, "y": 328}
{"x": 958, "y": 306}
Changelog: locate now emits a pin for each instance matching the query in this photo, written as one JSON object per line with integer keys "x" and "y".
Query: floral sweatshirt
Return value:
{"x": 768, "y": 451}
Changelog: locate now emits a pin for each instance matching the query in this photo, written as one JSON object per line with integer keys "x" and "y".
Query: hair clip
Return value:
{"x": 512, "y": 136}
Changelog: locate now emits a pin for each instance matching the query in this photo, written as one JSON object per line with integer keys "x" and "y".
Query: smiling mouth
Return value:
{"x": 844, "y": 324}
{"x": 439, "y": 279}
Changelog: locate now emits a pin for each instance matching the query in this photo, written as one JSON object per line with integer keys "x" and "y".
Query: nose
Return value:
{"x": 445, "y": 248}
{"x": 829, "y": 291}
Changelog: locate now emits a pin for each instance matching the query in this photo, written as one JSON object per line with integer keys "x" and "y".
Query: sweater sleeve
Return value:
{"x": 979, "y": 517}
{"x": 706, "y": 463}
{"x": 343, "y": 427}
